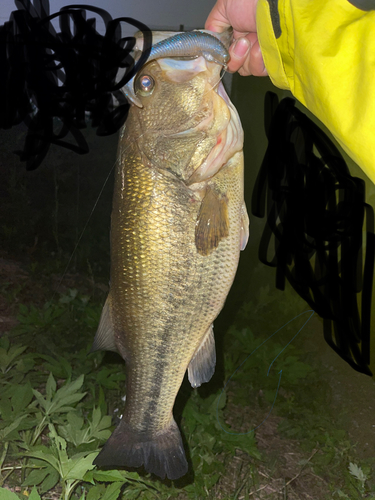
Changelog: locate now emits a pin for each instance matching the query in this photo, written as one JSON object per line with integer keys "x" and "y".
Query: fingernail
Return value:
{"x": 241, "y": 47}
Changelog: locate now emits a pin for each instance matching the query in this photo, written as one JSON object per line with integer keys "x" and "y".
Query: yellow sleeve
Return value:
{"x": 325, "y": 55}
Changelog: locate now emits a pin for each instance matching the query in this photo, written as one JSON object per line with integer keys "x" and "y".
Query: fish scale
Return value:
{"x": 170, "y": 267}
{"x": 174, "y": 252}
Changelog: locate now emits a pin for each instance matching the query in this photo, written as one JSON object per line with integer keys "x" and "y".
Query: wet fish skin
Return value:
{"x": 175, "y": 244}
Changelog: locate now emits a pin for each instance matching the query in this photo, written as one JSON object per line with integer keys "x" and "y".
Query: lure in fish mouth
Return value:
{"x": 178, "y": 224}
{"x": 185, "y": 44}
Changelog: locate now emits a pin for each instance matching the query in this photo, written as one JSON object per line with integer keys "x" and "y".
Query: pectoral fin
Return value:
{"x": 202, "y": 364}
{"x": 105, "y": 337}
{"x": 212, "y": 223}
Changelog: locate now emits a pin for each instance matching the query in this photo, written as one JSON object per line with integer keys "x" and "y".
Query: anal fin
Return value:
{"x": 202, "y": 364}
{"x": 105, "y": 336}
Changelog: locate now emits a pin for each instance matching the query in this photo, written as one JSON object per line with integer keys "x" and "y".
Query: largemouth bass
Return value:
{"x": 178, "y": 224}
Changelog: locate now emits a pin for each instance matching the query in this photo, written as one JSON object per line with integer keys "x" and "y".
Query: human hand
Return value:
{"x": 245, "y": 54}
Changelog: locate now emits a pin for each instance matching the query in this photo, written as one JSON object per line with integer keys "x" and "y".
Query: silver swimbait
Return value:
{"x": 185, "y": 44}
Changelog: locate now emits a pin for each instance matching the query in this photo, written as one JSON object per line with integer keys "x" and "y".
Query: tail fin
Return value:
{"x": 162, "y": 455}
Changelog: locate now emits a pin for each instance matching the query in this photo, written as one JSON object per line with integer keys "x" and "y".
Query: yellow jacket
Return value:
{"x": 323, "y": 51}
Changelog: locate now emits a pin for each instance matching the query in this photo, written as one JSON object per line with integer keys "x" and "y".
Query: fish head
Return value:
{"x": 183, "y": 116}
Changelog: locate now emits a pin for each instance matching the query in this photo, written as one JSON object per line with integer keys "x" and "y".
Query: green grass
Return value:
{"x": 54, "y": 413}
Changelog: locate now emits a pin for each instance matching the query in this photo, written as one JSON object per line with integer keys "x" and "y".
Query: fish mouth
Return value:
{"x": 182, "y": 44}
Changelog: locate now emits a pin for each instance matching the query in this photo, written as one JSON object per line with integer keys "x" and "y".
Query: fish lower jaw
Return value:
{"x": 229, "y": 142}
{"x": 229, "y": 133}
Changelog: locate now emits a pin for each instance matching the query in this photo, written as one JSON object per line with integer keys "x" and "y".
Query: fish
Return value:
{"x": 178, "y": 224}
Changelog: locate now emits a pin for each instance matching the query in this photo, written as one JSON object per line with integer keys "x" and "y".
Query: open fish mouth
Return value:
{"x": 190, "y": 44}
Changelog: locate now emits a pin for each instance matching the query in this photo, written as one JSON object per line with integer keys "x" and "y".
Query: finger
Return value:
{"x": 217, "y": 20}
{"x": 246, "y": 57}
{"x": 256, "y": 65}
{"x": 239, "y": 51}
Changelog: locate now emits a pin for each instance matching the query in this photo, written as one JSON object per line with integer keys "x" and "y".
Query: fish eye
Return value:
{"x": 145, "y": 85}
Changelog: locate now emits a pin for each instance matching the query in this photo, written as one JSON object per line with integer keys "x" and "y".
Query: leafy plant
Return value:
{"x": 76, "y": 432}
{"x": 54, "y": 413}
{"x": 9, "y": 495}
{"x": 9, "y": 354}
{"x": 70, "y": 469}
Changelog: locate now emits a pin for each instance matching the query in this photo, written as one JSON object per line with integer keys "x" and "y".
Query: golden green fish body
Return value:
{"x": 164, "y": 293}
{"x": 178, "y": 224}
